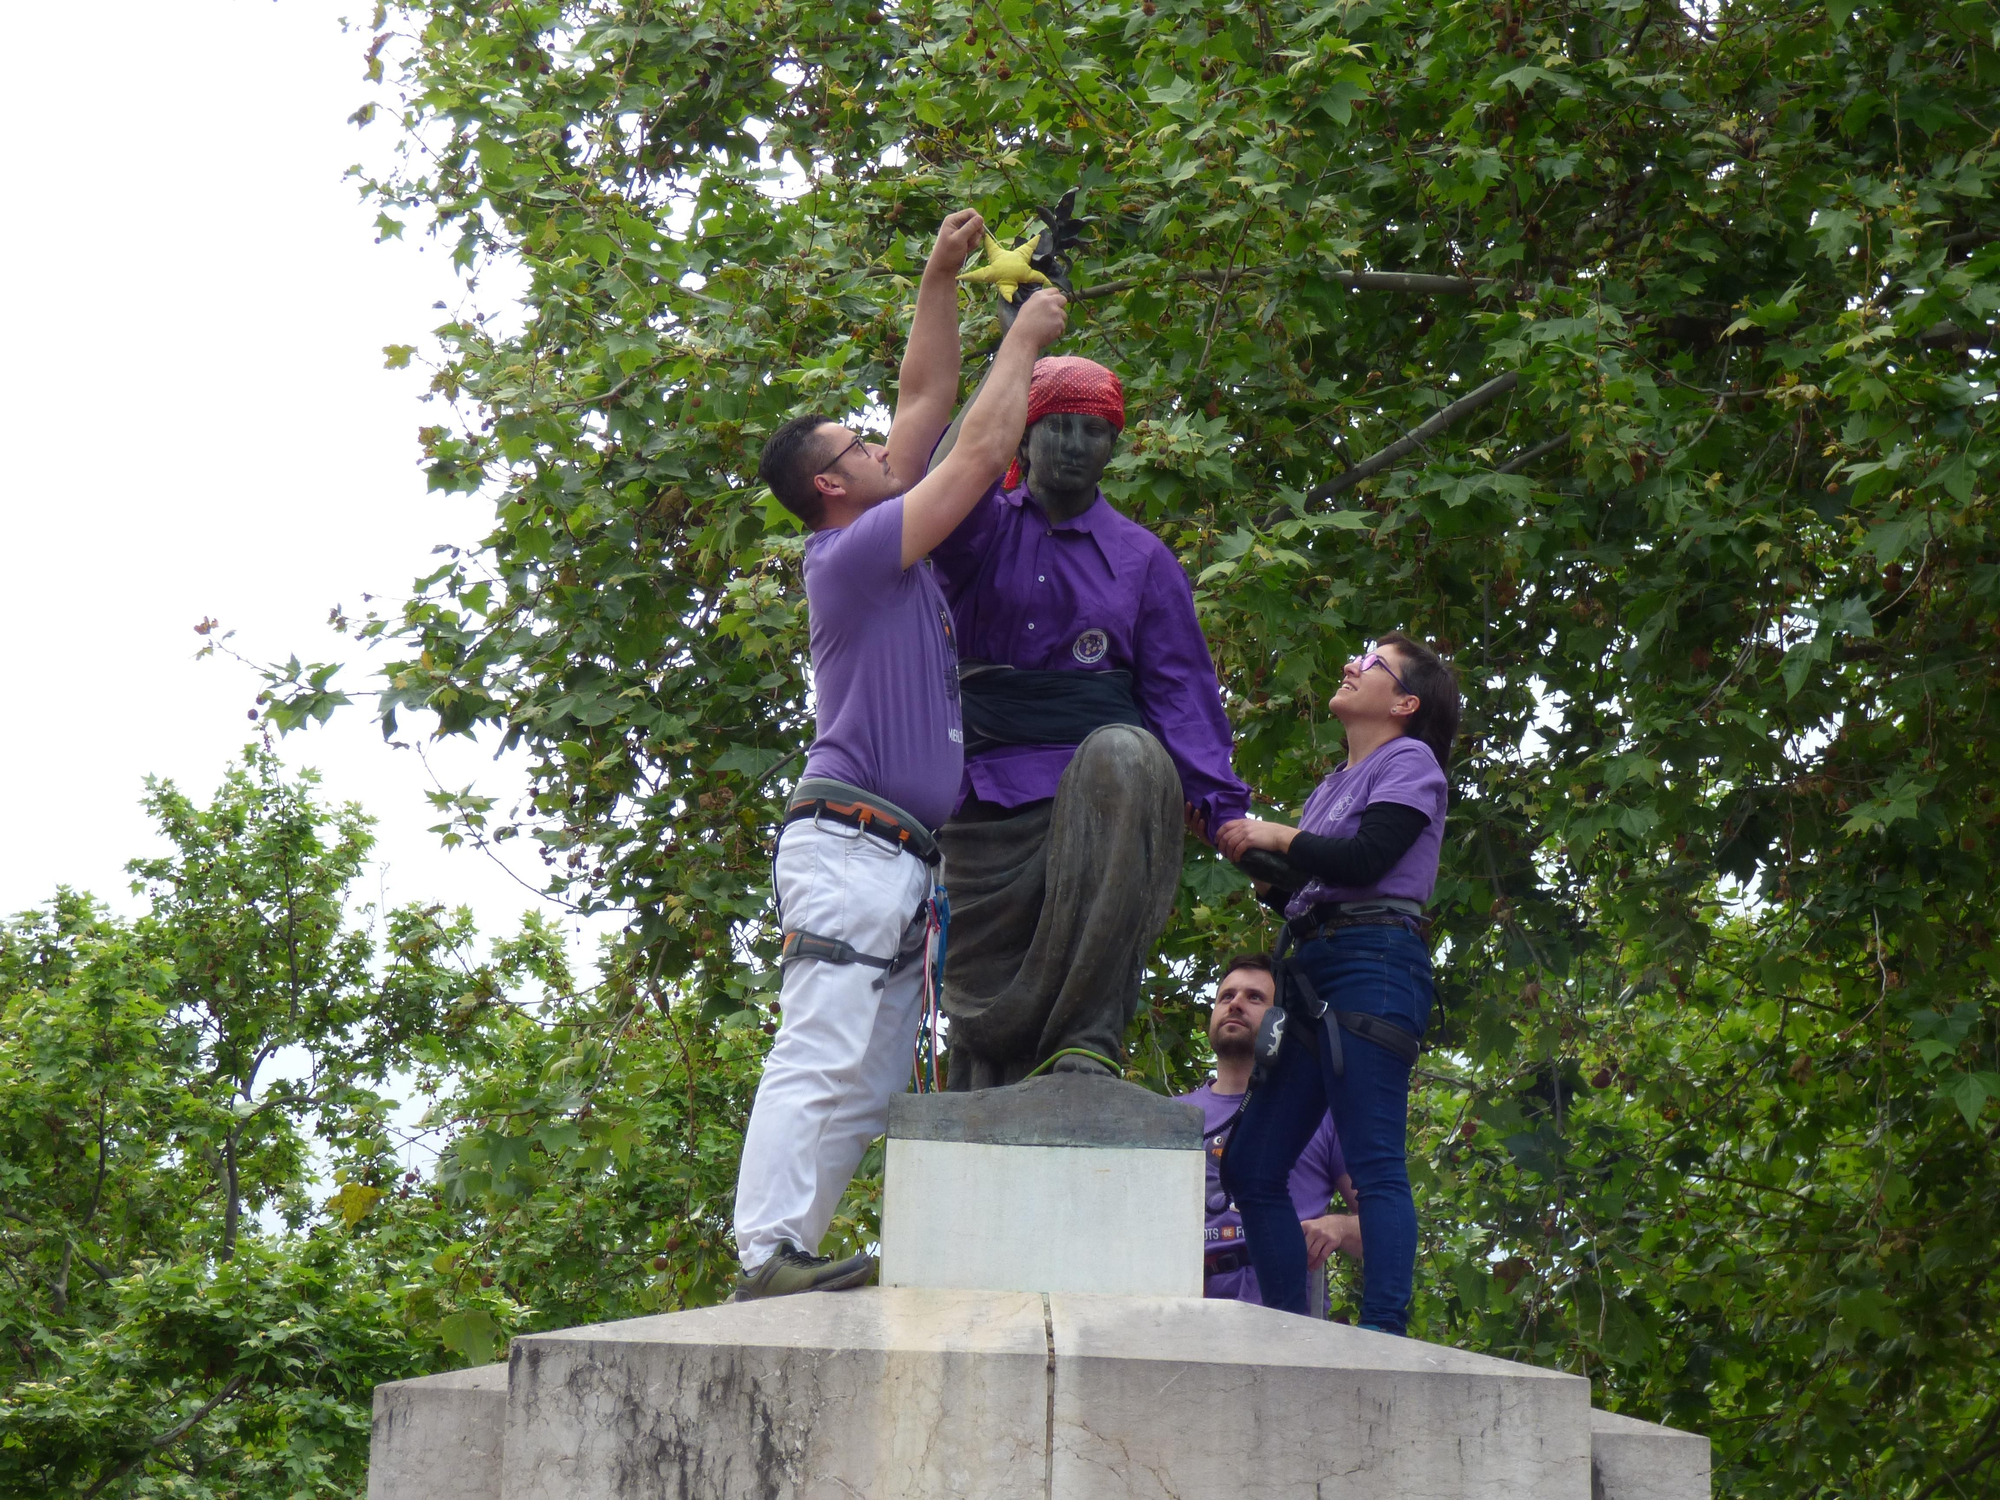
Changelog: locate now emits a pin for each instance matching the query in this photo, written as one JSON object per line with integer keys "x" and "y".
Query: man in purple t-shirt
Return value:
{"x": 853, "y": 869}
{"x": 1319, "y": 1181}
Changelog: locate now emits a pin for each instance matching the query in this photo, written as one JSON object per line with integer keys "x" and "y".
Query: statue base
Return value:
{"x": 1068, "y": 1183}
{"x": 1043, "y": 1383}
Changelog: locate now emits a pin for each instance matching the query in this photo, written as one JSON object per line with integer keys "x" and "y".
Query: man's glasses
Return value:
{"x": 857, "y": 443}
{"x": 1377, "y": 659}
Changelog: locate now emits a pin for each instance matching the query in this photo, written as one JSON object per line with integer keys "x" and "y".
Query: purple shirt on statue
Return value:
{"x": 1313, "y": 1187}
{"x": 885, "y": 676}
{"x": 1404, "y": 771}
{"x": 1093, "y": 594}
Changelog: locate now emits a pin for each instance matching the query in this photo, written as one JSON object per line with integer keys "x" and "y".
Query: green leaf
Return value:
{"x": 1970, "y": 1091}
{"x": 472, "y": 1334}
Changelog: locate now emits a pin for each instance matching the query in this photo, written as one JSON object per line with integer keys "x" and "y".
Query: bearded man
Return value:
{"x": 1093, "y": 726}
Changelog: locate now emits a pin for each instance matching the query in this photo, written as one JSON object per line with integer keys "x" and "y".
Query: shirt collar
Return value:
{"x": 1096, "y": 521}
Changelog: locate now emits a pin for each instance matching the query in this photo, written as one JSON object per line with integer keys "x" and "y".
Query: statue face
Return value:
{"x": 1066, "y": 453}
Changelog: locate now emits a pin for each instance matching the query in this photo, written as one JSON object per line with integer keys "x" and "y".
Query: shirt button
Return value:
{"x": 1031, "y": 624}
{"x": 1041, "y": 578}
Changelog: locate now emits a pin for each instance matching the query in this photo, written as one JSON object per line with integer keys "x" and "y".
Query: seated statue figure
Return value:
{"x": 1094, "y": 727}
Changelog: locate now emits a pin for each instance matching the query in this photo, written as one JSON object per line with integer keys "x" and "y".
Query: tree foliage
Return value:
{"x": 179, "y": 1313}
{"x": 1713, "y": 552}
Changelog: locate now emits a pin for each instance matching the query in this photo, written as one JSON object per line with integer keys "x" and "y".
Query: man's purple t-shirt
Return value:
{"x": 1404, "y": 771}
{"x": 1094, "y": 593}
{"x": 885, "y": 674}
{"x": 1312, "y": 1185}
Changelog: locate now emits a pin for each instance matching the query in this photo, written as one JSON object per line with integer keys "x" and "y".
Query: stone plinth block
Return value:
{"x": 882, "y": 1394}
{"x": 1069, "y": 1183}
{"x": 1157, "y": 1398}
{"x": 1635, "y": 1460}
{"x": 439, "y": 1438}
{"x": 899, "y": 1393}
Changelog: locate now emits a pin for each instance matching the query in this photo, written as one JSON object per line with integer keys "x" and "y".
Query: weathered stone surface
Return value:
{"x": 1042, "y": 1218}
{"x": 1162, "y": 1397}
{"x": 879, "y": 1393}
{"x": 900, "y": 1392}
{"x": 1635, "y": 1460}
{"x": 439, "y": 1438}
{"x": 1060, "y": 1109}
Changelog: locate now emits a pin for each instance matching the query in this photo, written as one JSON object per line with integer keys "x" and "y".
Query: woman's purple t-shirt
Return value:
{"x": 885, "y": 671}
{"x": 1404, "y": 771}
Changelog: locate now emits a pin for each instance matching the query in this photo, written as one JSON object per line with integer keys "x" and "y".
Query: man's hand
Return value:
{"x": 1041, "y": 319}
{"x": 957, "y": 238}
{"x": 1240, "y": 837}
{"x": 1329, "y": 1234}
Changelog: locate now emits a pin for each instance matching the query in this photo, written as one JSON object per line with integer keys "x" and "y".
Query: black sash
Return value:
{"x": 1003, "y": 705}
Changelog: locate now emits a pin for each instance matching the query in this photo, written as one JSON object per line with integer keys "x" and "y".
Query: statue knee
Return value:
{"x": 1122, "y": 755}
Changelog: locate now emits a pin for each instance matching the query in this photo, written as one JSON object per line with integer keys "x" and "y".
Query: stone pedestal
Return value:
{"x": 1027, "y": 1389}
{"x": 1060, "y": 1184}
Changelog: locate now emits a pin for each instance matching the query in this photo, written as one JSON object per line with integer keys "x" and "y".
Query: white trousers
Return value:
{"x": 843, "y": 1046}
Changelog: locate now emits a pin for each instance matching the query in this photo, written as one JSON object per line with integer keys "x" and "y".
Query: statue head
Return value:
{"x": 1076, "y": 409}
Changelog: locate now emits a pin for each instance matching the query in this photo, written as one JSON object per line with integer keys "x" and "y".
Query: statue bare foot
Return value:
{"x": 1075, "y": 1064}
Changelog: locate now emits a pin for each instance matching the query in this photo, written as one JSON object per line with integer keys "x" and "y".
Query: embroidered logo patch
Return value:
{"x": 1090, "y": 647}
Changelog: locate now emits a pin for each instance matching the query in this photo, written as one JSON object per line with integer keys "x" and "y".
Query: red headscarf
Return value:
{"x": 1065, "y": 382}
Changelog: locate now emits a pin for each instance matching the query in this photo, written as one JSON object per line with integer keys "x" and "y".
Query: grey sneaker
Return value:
{"x": 792, "y": 1270}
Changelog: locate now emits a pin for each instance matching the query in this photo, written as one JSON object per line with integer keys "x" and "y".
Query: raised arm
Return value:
{"x": 927, "y": 385}
{"x": 991, "y": 433}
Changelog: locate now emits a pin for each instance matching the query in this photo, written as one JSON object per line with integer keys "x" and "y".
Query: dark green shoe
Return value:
{"x": 792, "y": 1270}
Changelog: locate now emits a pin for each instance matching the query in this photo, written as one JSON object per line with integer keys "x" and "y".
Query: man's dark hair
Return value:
{"x": 1431, "y": 678}
{"x": 1248, "y": 961}
{"x": 792, "y": 457}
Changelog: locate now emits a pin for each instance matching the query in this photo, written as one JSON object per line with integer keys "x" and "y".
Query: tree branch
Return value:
{"x": 168, "y": 1438}
{"x": 1521, "y": 461}
{"x": 1360, "y": 281}
{"x": 1464, "y": 406}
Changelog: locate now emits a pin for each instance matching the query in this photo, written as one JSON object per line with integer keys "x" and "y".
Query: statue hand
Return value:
{"x": 1196, "y": 823}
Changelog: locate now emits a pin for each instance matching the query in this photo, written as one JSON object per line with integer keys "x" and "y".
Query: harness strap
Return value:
{"x": 1387, "y": 1035}
{"x": 824, "y": 800}
{"x": 799, "y": 943}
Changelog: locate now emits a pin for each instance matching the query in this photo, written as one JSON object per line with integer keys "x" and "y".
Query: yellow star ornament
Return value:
{"x": 1007, "y": 270}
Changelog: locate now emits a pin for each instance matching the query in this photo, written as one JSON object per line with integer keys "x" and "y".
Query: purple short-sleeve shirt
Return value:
{"x": 1405, "y": 771}
{"x": 885, "y": 671}
{"x": 1314, "y": 1182}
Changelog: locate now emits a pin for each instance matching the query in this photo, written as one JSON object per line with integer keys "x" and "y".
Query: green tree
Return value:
{"x": 1638, "y": 353}
{"x": 178, "y": 1316}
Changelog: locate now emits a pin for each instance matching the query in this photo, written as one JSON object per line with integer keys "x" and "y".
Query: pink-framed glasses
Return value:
{"x": 1377, "y": 659}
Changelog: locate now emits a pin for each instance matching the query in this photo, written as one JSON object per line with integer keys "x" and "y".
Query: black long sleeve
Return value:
{"x": 1387, "y": 831}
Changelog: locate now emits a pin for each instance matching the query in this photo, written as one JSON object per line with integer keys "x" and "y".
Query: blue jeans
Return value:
{"x": 1382, "y": 971}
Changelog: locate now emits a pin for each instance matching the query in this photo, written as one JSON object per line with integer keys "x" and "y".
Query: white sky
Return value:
{"x": 196, "y": 423}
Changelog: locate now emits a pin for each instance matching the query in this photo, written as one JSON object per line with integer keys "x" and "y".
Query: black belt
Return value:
{"x": 869, "y": 818}
{"x": 1331, "y": 916}
{"x": 1215, "y": 1263}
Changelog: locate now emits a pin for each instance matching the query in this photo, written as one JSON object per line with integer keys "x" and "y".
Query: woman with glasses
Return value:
{"x": 1362, "y": 862}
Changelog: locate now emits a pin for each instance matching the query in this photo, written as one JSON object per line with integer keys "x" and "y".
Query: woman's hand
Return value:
{"x": 1238, "y": 838}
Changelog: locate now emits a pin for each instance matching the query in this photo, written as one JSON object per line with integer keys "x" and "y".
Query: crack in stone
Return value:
{"x": 1049, "y": 1431}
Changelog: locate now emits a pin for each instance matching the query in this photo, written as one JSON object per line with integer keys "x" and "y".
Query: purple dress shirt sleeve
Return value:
{"x": 1179, "y": 697}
